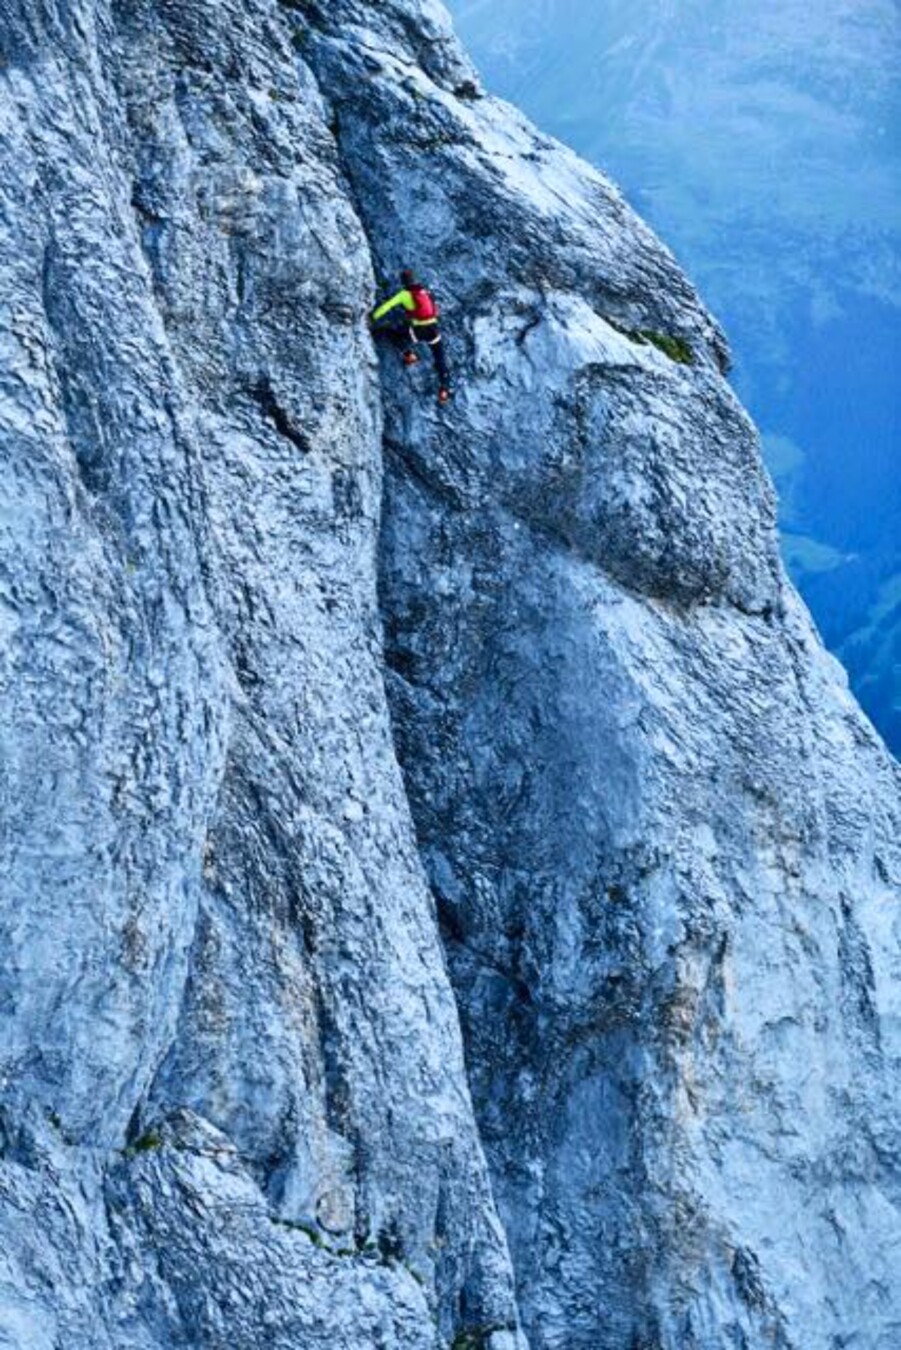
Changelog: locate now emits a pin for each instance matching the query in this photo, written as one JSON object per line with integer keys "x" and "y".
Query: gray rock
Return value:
{"x": 663, "y": 840}
{"x": 212, "y": 895}
{"x": 659, "y": 839}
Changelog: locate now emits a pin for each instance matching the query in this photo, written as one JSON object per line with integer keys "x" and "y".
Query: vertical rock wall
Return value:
{"x": 660, "y": 838}
{"x": 663, "y": 840}
{"x": 227, "y": 1029}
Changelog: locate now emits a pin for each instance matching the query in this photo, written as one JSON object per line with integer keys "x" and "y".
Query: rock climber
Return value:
{"x": 419, "y": 323}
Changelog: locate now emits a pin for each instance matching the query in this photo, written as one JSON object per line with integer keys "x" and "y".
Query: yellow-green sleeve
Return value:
{"x": 402, "y": 298}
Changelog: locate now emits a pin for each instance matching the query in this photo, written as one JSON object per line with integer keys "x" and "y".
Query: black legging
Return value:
{"x": 407, "y": 335}
{"x": 430, "y": 333}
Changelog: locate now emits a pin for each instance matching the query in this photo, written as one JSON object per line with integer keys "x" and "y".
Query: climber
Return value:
{"x": 420, "y": 324}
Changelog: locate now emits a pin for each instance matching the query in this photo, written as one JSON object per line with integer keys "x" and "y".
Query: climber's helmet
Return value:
{"x": 408, "y": 277}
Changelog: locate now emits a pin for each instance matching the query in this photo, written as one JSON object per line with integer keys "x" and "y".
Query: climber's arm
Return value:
{"x": 402, "y": 298}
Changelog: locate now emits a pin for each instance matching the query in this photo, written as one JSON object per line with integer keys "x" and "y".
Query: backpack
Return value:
{"x": 426, "y": 308}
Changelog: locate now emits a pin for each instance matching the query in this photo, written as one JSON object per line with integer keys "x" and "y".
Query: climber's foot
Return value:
{"x": 445, "y": 395}
{"x": 411, "y": 359}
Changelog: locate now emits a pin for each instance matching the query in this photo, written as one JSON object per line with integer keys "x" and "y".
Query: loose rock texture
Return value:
{"x": 661, "y": 838}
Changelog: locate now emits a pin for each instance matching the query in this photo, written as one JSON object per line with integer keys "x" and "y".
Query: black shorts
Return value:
{"x": 425, "y": 332}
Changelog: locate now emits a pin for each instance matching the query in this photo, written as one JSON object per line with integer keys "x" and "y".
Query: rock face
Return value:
{"x": 213, "y": 901}
{"x": 659, "y": 840}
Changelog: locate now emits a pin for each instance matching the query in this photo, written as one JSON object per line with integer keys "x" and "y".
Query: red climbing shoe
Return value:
{"x": 411, "y": 359}
{"x": 444, "y": 396}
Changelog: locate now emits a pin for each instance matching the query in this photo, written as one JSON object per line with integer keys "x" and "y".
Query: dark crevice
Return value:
{"x": 530, "y": 325}
{"x": 80, "y": 395}
{"x": 264, "y": 396}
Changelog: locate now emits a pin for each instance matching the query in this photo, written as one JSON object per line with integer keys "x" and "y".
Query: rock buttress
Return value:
{"x": 662, "y": 838}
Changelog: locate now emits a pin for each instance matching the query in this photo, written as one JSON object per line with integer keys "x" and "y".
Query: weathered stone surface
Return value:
{"x": 661, "y": 839}
{"x": 212, "y": 896}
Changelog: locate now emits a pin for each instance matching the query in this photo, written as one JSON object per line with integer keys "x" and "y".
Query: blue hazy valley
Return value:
{"x": 761, "y": 140}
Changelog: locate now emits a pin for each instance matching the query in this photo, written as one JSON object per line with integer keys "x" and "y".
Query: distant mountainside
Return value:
{"x": 762, "y": 139}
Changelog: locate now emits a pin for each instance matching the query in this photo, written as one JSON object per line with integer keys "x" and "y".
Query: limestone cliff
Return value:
{"x": 335, "y": 725}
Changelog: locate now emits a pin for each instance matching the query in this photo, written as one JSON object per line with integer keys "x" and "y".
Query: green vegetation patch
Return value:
{"x": 147, "y": 1142}
{"x": 312, "y": 1233}
{"x": 476, "y": 1338}
{"x": 363, "y": 1248}
{"x": 676, "y": 348}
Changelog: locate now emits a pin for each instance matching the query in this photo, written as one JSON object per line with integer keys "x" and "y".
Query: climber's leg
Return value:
{"x": 436, "y": 342}
{"x": 411, "y": 337}
{"x": 430, "y": 333}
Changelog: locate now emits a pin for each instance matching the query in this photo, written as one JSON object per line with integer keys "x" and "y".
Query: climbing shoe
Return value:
{"x": 445, "y": 395}
{"x": 411, "y": 359}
